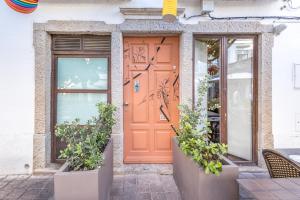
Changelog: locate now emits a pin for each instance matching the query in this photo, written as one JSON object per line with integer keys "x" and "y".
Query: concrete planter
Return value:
{"x": 194, "y": 184}
{"x": 91, "y": 185}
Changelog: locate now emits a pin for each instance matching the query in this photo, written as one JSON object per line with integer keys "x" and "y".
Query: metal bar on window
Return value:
{"x": 80, "y": 91}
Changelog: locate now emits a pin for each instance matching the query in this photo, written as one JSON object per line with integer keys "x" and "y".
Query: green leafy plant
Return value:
{"x": 194, "y": 130}
{"x": 86, "y": 143}
{"x": 213, "y": 104}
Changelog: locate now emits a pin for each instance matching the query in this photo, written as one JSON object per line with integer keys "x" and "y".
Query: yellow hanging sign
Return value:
{"x": 169, "y": 11}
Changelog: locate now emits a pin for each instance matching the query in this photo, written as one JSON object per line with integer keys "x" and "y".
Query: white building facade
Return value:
{"x": 26, "y": 56}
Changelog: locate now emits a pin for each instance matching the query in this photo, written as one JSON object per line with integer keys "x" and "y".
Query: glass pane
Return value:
{"x": 78, "y": 105}
{"x": 239, "y": 98}
{"x": 82, "y": 73}
{"x": 207, "y": 61}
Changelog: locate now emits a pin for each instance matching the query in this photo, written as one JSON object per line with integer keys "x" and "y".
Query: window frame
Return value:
{"x": 55, "y": 91}
{"x": 223, "y": 87}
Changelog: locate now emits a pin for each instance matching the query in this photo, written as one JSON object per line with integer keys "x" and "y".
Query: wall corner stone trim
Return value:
{"x": 117, "y": 95}
{"x": 266, "y": 84}
{"x": 265, "y": 134}
{"x": 41, "y": 153}
{"x": 39, "y": 26}
{"x": 42, "y": 47}
{"x": 186, "y": 67}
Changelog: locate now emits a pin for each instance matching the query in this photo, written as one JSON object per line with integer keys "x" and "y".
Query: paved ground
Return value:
{"x": 244, "y": 195}
{"x": 25, "y": 187}
{"x": 144, "y": 187}
{"x": 125, "y": 187}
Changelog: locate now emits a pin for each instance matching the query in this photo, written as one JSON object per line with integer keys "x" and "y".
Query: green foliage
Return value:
{"x": 194, "y": 139}
{"x": 86, "y": 143}
{"x": 213, "y": 104}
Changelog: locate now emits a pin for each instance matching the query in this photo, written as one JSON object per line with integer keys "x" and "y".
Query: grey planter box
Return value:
{"x": 194, "y": 184}
{"x": 90, "y": 185}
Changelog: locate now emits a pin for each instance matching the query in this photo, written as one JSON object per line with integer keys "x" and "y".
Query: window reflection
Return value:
{"x": 79, "y": 75}
{"x": 82, "y": 73}
{"x": 234, "y": 85}
{"x": 207, "y": 61}
{"x": 239, "y": 98}
{"x": 78, "y": 105}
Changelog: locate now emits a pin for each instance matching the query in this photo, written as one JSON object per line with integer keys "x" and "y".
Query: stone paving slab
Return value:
{"x": 245, "y": 195}
{"x": 15, "y": 187}
{"x": 144, "y": 187}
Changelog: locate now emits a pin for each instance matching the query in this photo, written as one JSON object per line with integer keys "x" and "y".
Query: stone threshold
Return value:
{"x": 49, "y": 170}
{"x": 162, "y": 169}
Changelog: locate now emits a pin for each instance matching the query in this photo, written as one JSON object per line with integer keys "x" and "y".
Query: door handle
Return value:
{"x": 125, "y": 103}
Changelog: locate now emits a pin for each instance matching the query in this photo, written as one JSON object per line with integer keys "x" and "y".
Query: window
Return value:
{"x": 231, "y": 98}
{"x": 81, "y": 79}
{"x": 81, "y": 84}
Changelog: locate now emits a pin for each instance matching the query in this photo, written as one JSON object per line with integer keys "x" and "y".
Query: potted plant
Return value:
{"x": 200, "y": 169}
{"x": 88, "y": 170}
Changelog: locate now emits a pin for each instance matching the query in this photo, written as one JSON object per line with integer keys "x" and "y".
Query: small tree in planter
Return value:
{"x": 200, "y": 169}
{"x": 194, "y": 139}
{"x": 87, "y": 173}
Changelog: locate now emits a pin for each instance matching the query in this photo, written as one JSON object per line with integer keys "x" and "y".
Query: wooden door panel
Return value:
{"x": 162, "y": 140}
{"x": 139, "y": 53}
{"x": 140, "y": 140}
{"x": 164, "y": 54}
{"x": 151, "y": 88}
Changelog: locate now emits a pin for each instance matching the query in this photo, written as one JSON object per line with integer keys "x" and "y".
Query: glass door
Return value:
{"x": 239, "y": 98}
{"x": 231, "y": 98}
{"x": 207, "y": 61}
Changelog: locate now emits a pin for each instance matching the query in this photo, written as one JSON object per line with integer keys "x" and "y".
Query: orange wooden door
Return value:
{"x": 151, "y": 97}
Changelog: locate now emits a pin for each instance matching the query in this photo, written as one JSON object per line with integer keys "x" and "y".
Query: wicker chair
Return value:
{"x": 279, "y": 166}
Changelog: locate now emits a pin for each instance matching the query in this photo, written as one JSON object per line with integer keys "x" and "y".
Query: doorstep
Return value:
{"x": 162, "y": 169}
{"x": 45, "y": 171}
{"x": 51, "y": 169}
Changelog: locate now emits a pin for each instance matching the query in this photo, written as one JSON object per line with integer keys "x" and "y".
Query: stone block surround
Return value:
{"x": 42, "y": 45}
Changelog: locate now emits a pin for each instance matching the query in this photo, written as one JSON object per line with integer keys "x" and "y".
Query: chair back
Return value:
{"x": 279, "y": 166}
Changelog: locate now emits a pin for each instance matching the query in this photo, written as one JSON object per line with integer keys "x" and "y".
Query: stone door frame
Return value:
{"x": 42, "y": 46}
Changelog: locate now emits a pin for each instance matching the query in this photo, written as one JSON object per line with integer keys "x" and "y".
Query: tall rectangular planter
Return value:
{"x": 90, "y": 185}
{"x": 194, "y": 184}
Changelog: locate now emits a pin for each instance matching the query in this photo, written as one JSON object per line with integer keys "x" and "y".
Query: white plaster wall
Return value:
{"x": 16, "y": 91}
{"x": 286, "y": 99}
{"x": 17, "y": 67}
